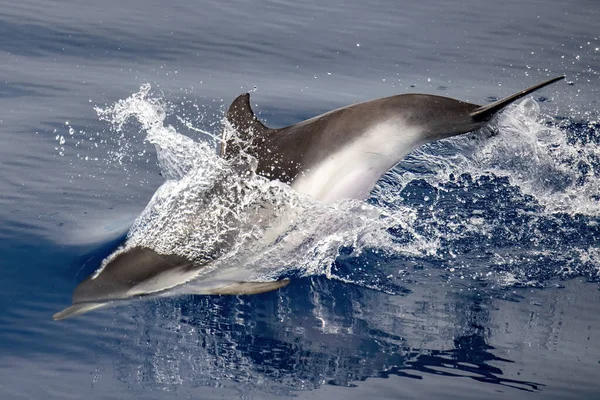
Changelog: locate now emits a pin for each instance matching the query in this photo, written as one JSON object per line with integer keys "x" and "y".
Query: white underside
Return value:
{"x": 351, "y": 173}
{"x": 167, "y": 280}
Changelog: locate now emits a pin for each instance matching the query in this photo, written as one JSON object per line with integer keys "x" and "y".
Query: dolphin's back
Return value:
{"x": 286, "y": 153}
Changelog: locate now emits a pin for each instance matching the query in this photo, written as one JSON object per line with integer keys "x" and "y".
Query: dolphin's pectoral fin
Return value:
{"x": 245, "y": 122}
{"x": 76, "y": 309}
{"x": 250, "y": 287}
{"x": 485, "y": 113}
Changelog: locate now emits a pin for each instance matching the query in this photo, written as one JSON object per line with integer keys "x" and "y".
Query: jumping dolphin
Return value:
{"x": 342, "y": 153}
{"x": 336, "y": 155}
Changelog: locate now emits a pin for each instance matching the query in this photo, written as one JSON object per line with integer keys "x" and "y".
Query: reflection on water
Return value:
{"x": 304, "y": 337}
{"x": 315, "y": 333}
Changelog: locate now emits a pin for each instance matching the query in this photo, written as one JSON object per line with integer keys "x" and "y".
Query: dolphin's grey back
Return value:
{"x": 286, "y": 152}
{"x": 283, "y": 153}
{"x": 301, "y": 146}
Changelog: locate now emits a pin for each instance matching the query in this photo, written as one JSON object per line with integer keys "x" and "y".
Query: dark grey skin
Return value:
{"x": 369, "y": 138}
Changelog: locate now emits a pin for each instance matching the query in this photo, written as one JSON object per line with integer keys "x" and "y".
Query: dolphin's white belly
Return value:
{"x": 353, "y": 171}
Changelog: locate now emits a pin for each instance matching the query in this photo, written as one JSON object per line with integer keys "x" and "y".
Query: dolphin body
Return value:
{"x": 337, "y": 155}
{"x": 342, "y": 153}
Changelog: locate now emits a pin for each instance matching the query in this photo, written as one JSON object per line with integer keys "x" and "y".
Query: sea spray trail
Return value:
{"x": 462, "y": 207}
{"x": 517, "y": 203}
{"x": 542, "y": 160}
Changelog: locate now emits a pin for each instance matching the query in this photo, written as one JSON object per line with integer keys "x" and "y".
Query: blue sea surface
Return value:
{"x": 472, "y": 270}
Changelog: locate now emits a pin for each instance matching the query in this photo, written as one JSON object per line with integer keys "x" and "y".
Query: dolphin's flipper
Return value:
{"x": 485, "y": 113}
{"x": 76, "y": 309}
{"x": 246, "y": 124}
{"x": 249, "y": 287}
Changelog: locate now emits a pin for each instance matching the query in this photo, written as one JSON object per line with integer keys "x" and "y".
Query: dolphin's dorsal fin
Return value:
{"x": 485, "y": 113}
{"x": 244, "y": 121}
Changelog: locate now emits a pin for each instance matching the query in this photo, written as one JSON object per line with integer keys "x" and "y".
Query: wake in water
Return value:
{"x": 516, "y": 204}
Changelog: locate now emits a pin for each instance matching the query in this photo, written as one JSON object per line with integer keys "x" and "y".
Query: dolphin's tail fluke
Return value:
{"x": 485, "y": 113}
{"x": 76, "y": 309}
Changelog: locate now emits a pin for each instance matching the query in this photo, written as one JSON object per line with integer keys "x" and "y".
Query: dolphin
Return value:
{"x": 337, "y": 155}
{"x": 142, "y": 272}
{"x": 343, "y": 153}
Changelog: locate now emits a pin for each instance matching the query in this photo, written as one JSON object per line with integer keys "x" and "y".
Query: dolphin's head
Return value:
{"x": 128, "y": 270}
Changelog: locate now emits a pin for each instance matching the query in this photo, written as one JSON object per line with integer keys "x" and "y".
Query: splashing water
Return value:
{"x": 223, "y": 216}
{"x": 520, "y": 196}
{"x": 539, "y": 159}
{"x": 513, "y": 205}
